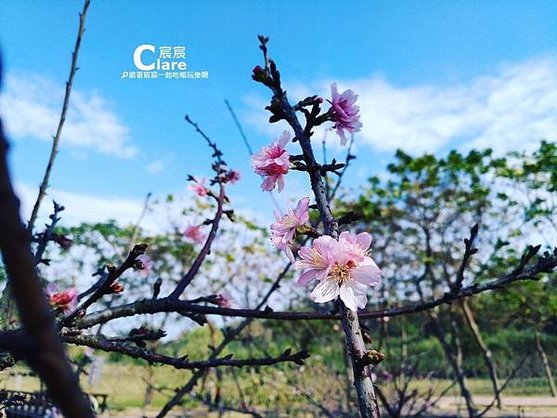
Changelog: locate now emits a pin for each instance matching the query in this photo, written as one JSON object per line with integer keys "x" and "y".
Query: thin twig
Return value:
{"x": 242, "y": 134}
{"x": 182, "y": 363}
{"x": 136, "y": 227}
{"x": 503, "y": 386}
{"x": 57, "y": 136}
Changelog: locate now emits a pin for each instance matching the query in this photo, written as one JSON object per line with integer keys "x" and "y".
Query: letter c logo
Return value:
{"x": 137, "y": 57}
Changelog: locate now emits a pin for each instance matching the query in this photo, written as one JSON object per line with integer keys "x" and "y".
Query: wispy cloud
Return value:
{"x": 81, "y": 207}
{"x": 511, "y": 108}
{"x": 31, "y": 107}
{"x": 155, "y": 167}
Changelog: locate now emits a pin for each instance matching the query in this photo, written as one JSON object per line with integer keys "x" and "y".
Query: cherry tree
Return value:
{"x": 318, "y": 243}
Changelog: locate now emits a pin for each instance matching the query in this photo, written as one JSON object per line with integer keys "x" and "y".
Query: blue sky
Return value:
{"x": 431, "y": 76}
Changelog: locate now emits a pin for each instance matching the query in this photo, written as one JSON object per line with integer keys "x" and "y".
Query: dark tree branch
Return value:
{"x": 469, "y": 251}
{"x": 50, "y": 360}
{"x": 106, "y": 344}
{"x": 113, "y": 274}
{"x": 47, "y": 235}
{"x": 544, "y": 264}
{"x": 198, "y": 262}
{"x": 228, "y": 337}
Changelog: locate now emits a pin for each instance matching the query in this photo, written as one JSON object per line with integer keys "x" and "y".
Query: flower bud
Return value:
{"x": 259, "y": 74}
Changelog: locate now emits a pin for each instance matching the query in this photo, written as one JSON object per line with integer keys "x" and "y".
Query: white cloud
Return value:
{"x": 84, "y": 207}
{"x": 155, "y": 167}
{"x": 512, "y": 108}
{"x": 31, "y": 107}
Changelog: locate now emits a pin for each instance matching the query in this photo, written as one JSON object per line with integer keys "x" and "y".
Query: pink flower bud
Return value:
{"x": 116, "y": 288}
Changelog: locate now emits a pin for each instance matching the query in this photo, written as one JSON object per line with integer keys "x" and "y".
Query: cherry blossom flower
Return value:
{"x": 143, "y": 263}
{"x": 284, "y": 229}
{"x": 199, "y": 187}
{"x": 272, "y": 162}
{"x": 65, "y": 300}
{"x": 342, "y": 267}
{"x": 345, "y": 112}
{"x": 194, "y": 234}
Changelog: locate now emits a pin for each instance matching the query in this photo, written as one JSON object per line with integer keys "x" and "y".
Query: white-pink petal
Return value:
{"x": 353, "y": 294}
{"x": 325, "y": 291}
{"x": 367, "y": 272}
{"x": 306, "y": 278}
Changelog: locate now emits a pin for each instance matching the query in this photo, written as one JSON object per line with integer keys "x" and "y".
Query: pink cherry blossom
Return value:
{"x": 345, "y": 112}
{"x": 194, "y": 234}
{"x": 284, "y": 229}
{"x": 343, "y": 268}
{"x": 273, "y": 162}
{"x": 356, "y": 246}
{"x": 65, "y": 300}
{"x": 199, "y": 187}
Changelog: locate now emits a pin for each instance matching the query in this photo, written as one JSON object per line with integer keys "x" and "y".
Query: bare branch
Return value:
{"x": 105, "y": 344}
{"x": 57, "y": 136}
{"x": 50, "y": 360}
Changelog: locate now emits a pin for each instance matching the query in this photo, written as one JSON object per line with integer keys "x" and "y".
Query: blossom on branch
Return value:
{"x": 199, "y": 187}
{"x": 65, "y": 300}
{"x": 233, "y": 176}
{"x": 344, "y": 269}
{"x": 273, "y": 162}
{"x": 116, "y": 288}
{"x": 344, "y": 112}
{"x": 194, "y": 234}
{"x": 284, "y": 229}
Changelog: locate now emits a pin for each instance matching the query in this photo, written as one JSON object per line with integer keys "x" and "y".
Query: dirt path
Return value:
{"x": 513, "y": 406}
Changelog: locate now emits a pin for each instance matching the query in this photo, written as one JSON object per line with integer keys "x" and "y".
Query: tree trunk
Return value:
{"x": 486, "y": 352}
{"x": 546, "y": 365}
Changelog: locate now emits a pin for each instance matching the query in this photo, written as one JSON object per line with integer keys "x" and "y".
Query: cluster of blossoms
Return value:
{"x": 342, "y": 266}
{"x": 273, "y": 161}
